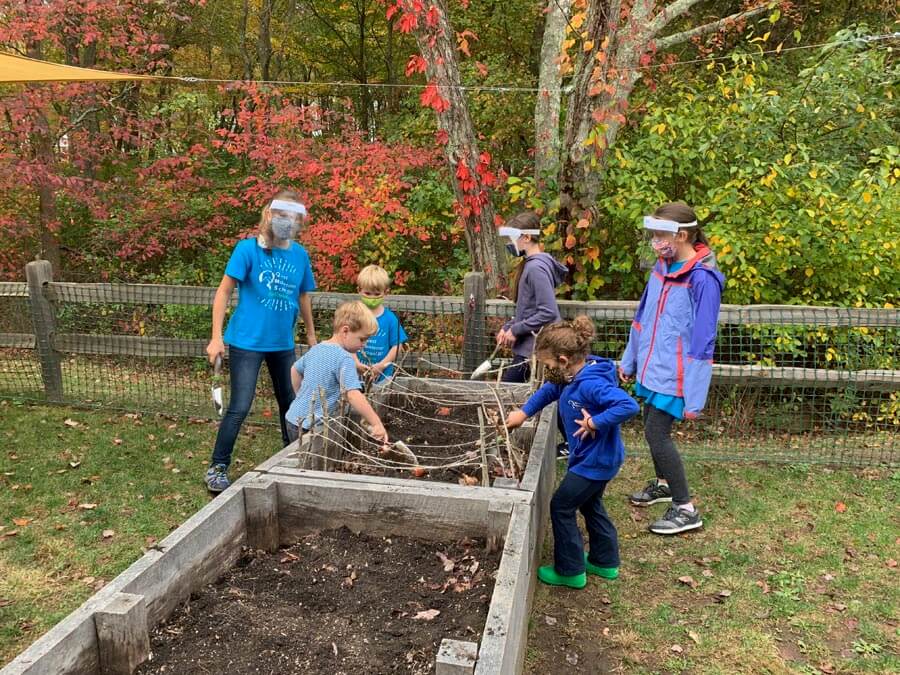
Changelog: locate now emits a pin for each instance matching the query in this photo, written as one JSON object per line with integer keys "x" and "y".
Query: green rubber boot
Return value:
{"x": 549, "y": 576}
{"x": 605, "y": 572}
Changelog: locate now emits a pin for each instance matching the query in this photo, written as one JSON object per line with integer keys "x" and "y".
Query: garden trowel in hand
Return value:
{"x": 218, "y": 401}
{"x": 485, "y": 366}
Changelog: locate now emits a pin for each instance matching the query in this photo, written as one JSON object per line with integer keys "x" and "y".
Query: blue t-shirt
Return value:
{"x": 269, "y": 289}
{"x": 390, "y": 334}
{"x": 674, "y": 405}
{"x": 327, "y": 369}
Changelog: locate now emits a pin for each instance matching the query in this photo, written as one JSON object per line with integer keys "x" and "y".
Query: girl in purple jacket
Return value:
{"x": 670, "y": 351}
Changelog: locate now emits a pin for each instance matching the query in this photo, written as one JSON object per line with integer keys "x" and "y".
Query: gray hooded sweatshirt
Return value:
{"x": 536, "y": 300}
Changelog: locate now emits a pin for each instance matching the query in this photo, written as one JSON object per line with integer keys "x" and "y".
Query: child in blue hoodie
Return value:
{"x": 592, "y": 407}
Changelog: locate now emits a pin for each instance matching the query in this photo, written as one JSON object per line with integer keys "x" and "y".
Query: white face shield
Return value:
{"x": 514, "y": 234}
{"x": 285, "y": 218}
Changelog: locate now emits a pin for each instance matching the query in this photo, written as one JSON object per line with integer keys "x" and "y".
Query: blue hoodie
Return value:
{"x": 596, "y": 389}
{"x": 535, "y": 300}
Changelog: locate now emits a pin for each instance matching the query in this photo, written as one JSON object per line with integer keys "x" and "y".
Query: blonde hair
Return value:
{"x": 356, "y": 316}
{"x": 566, "y": 338}
{"x": 373, "y": 279}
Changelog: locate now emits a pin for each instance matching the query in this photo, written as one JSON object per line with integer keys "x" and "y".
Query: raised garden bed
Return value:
{"x": 110, "y": 633}
{"x": 335, "y": 602}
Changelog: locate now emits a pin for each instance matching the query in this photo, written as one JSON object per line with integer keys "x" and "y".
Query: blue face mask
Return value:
{"x": 513, "y": 251}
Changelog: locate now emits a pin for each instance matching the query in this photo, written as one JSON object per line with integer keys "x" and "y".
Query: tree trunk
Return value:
{"x": 546, "y": 109}
{"x": 42, "y": 142}
{"x": 477, "y": 212}
{"x": 264, "y": 40}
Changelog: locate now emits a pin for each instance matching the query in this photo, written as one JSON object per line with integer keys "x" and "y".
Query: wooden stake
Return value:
{"x": 485, "y": 474}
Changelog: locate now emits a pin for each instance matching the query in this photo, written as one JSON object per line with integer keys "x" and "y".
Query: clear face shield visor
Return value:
{"x": 659, "y": 236}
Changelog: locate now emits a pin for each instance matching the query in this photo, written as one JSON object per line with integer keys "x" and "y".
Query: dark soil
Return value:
{"x": 440, "y": 434}
{"x": 333, "y": 603}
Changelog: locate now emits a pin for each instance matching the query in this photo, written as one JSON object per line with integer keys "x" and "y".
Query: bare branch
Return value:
{"x": 668, "y": 14}
{"x": 677, "y": 38}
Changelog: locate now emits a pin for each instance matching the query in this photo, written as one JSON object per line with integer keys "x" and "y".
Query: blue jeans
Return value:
{"x": 580, "y": 494}
{"x": 244, "y": 366}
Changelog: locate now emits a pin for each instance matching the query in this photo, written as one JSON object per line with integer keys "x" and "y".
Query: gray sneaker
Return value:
{"x": 216, "y": 478}
{"x": 652, "y": 494}
{"x": 677, "y": 520}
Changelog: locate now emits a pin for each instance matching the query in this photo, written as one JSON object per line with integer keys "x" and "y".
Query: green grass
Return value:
{"x": 143, "y": 472}
{"x": 810, "y": 587}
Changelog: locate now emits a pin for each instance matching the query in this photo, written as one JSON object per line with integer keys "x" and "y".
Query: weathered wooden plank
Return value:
{"x": 195, "y": 554}
{"x": 432, "y": 511}
{"x": 17, "y": 340}
{"x": 456, "y": 657}
{"x": 122, "y": 638}
{"x": 140, "y": 294}
{"x": 13, "y": 289}
{"x": 261, "y": 507}
{"x": 502, "y": 650}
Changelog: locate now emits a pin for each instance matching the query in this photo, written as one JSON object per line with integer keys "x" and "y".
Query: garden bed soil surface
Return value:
{"x": 440, "y": 434}
{"x": 335, "y": 602}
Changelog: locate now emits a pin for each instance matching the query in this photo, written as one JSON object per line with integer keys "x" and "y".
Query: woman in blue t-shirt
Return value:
{"x": 273, "y": 276}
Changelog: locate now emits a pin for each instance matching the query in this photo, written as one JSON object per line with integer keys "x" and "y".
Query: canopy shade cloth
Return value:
{"x": 14, "y": 68}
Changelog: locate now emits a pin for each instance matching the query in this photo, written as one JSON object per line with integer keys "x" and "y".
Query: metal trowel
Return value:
{"x": 218, "y": 401}
{"x": 485, "y": 366}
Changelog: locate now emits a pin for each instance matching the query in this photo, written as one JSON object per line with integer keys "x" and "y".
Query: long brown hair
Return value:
{"x": 265, "y": 229}
{"x": 571, "y": 339}
{"x": 682, "y": 213}
{"x": 526, "y": 220}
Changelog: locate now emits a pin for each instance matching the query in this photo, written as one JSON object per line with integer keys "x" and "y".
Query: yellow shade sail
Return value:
{"x": 14, "y": 68}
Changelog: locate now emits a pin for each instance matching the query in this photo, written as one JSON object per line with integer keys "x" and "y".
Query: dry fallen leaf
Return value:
{"x": 550, "y": 621}
{"x": 466, "y": 479}
{"x": 891, "y": 563}
{"x": 572, "y": 658}
{"x": 448, "y": 563}
{"x": 694, "y": 636}
{"x": 21, "y": 522}
{"x": 677, "y": 649}
{"x": 108, "y": 533}
{"x": 87, "y": 507}
{"x": 725, "y": 593}
{"x": 72, "y": 423}
{"x": 688, "y": 581}
{"x": 840, "y": 507}
{"x": 443, "y": 412}
{"x": 763, "y": 585}
{"x": 117, "y": 441}
{"x": 427, "y": 615}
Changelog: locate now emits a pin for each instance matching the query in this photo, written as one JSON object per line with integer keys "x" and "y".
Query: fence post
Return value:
{"x": 38, "y": 274}
{"x": 474, "y": 327}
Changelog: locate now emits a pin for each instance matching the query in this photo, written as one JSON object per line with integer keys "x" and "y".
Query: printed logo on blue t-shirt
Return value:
{"x": 277, "y": 276}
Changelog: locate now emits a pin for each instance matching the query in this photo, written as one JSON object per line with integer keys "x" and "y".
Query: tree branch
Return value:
{"x": 668, "y": 14}
{"x": 677, "y": 38}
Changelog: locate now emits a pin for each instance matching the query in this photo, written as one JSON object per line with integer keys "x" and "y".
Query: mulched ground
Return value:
{"x": 335, "y": 602}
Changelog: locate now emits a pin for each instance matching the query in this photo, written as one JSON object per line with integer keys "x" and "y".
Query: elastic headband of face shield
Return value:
{"x": 663, "y": 225}
{"x": 289, "y": 207}
{"x": 514, "y": 233}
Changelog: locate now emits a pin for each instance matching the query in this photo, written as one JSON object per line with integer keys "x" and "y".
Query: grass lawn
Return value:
{"x": 82, "y": 492}
{"x": 795, "y": 571}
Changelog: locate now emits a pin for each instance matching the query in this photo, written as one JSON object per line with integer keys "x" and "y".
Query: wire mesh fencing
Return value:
{"x": 793, "y": 384}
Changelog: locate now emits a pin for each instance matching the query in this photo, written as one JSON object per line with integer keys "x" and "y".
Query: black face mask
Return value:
{"x": 556, "y": 375}
{"x": 513, "y": 251}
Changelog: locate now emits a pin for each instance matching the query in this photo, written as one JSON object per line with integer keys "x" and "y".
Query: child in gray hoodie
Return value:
{"x": 533, "y": 287}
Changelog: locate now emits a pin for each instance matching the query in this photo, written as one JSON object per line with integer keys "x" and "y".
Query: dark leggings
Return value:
{"x": 666, "y": 460}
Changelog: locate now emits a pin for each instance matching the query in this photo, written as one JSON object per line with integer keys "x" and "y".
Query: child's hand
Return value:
{"x": 379, "y": 433}
{"x": 215, "y": 348}
{"x": 586, "y": 426}
{"x": 515, "y": 419}
{"x": 625, "y": 378}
